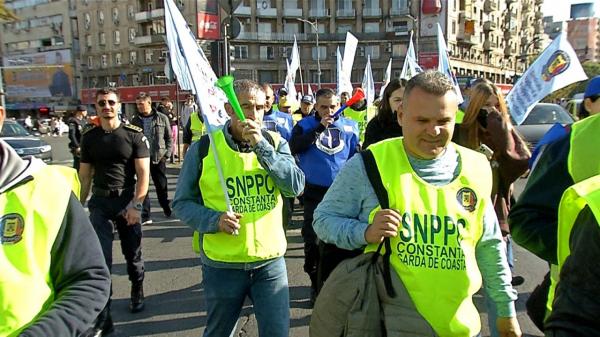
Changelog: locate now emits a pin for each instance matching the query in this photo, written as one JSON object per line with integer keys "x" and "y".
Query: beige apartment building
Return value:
{"x": 122, "y": 43}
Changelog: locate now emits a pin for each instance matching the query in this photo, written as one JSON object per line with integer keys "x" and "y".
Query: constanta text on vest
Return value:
{"x": 253, "y": 203}
{"x": 431, "y": 241}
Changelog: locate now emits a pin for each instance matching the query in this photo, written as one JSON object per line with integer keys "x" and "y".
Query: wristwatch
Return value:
{"x": 137, "y": 206}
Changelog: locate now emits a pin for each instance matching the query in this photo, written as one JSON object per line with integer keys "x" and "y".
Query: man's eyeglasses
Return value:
{"x": 103, "y": 102}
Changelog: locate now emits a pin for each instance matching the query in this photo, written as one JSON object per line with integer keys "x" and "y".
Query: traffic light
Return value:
{"x": 216, "y": 58}
{"x": 231, "y": 59}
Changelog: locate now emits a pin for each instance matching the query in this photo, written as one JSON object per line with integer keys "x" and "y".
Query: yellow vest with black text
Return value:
{"x": 252, "y": 193}
{"x": 434, "y": 251}
{"x": 196, "y": 126}
{"x": 583, "y": 162}
{"x": 30, "y": 218}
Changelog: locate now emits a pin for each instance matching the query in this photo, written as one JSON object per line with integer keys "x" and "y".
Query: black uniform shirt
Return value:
{"x": 75, "y": 128}
{"x": 112, "y": 155}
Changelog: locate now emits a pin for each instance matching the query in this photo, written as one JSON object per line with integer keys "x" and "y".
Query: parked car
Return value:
{"x": 572, "y": 107}
{"x": 24, "y": 143}
{"x": 541, "y": 118}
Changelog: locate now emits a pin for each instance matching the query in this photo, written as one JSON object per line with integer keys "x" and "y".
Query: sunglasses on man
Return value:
{"x": 103, "y": 103}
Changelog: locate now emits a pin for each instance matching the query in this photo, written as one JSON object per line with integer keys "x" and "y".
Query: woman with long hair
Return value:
{"x": 385, "y": 124}
{"x": 487, "y": 128}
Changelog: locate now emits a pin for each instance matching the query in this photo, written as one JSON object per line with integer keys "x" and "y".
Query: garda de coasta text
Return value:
{"x": 251, "y": 193}
{"x": 431, "y": 241}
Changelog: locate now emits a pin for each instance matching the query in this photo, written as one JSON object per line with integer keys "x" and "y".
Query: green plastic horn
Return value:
{"x": 225, "y": 83}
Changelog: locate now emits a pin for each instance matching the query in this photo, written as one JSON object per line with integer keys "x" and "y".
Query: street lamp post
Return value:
{"x": 315, "y": 26}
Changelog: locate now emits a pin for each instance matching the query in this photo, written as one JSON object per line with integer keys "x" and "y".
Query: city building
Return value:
{"x": 122, "y": 43}
{"x": 584, "y": 36}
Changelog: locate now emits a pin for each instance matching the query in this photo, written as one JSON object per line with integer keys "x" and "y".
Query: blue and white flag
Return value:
{"x": 367, "y": 83}
{"x": 444, "y": 63}
{"x": 411, "y": 66}
{"x": 386, "y": 77}
{"x": 557, "y": 67}
{"x": 187, "y": 58}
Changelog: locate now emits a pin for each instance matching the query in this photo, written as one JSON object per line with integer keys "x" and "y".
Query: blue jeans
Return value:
{"x": 267, "y": 288}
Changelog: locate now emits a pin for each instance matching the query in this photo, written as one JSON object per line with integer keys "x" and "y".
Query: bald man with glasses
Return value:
{"x": 115, "y": 168}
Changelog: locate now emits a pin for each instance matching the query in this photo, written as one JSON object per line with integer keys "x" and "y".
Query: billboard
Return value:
{"x": 208, "y": 26}
{"x": 45, "y": 74}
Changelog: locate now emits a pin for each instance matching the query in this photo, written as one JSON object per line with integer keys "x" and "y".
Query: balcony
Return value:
{"x": 371, "y": 12}
{"x": 147, "y": 40}
{"x": 489, "y": 26}
{"x": 267, "y": 12}
{"x": 466, "y": 16}
{"x": 318, "y": 13}
{"x": 466, "y": 38}
{"x": 292, "y": 12}
{"x": 489, "y": 45}
{"x": 269, "y": 36}
{"x": 242, "y": 10}
{"x": 510, "y": 34}
{"x": 150, "y": 15}
{"x": 490, "y": 6}
{"x": 346, "y": 13}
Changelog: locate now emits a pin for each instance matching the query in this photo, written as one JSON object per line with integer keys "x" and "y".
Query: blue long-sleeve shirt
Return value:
{"x": 188, "y": 205}
{"x": 343, "y": 217}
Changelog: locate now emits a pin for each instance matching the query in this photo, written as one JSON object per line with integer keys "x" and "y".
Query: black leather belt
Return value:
{"x": 109, "y": 193}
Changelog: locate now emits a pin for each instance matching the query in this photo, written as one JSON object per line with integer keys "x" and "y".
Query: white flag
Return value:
{"x": 367, "y": 83}
{"x": 411, "y": 66}
{"x": 187, "y": 58}
{"x": 338, "y": 68}
{"x": 310, "y": 92}
{"x": 557, "y": 67}
{"x": 386, "y": 78}
{"x": 348, "y": 62}
{"x": 289, "y": 84}
{"x": 444, "y": 63}
{"x": 295, "y": 62}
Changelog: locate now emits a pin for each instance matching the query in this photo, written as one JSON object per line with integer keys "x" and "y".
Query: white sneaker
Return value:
{"x": 147, "y": 222}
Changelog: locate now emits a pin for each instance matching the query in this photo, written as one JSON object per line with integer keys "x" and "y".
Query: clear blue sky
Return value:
{"x": 561, "y": 9}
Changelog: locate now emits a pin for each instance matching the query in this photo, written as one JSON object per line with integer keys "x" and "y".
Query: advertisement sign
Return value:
{"x": 45, "y": 74}
{"x": 428, "y": 60}
{"x": 128, "y": 94}
{"x": 208, "y": 26}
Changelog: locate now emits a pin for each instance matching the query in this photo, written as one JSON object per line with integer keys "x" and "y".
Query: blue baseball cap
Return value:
{"x": 593, "y": 88}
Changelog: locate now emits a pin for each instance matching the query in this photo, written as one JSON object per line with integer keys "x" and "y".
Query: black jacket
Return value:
{"x": 376, "y": 131}
{"x": 161, "y": 143}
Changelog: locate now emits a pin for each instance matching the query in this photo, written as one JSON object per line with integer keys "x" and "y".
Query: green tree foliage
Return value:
{"x": 592, "y": 69}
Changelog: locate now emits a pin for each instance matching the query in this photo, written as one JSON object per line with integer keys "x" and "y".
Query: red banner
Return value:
{"x": 128, "y": 94}
{"x": 208, "y": 26}
{"x": 428, "y": 60}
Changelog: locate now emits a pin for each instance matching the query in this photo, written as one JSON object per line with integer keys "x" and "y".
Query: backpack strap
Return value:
{"x": 384, "y": 202}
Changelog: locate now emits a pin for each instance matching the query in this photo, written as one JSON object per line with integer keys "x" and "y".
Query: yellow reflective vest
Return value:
{"x": 252, "y": 193}
{"x": 360, "y": 117}
{"x": 196, "y": 126}
{"x": 583, "y": 162}
{"x": 434, "y": 252}
{"x": 30, "y": 218}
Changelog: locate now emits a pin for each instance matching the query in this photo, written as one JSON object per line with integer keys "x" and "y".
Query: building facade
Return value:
{"x": 122, "y": 43}
{"x": 584, "y": 36}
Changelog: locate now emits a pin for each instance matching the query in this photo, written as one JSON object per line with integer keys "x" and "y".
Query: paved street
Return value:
{"x": 175, "y": 304}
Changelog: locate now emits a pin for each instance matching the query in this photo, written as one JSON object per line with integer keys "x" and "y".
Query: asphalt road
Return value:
{"x": 174, "y": 296}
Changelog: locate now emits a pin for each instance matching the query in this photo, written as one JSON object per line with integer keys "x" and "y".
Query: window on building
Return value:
{"x": 130, "y": 12}
{"x": 132, "y": 34}
{"x": 118, "y": 60}
{"x": 133, "y": 57}
{"x": 400, "y": 5}
{"x": 241, "y": 52}
{"x": 291, "y": 28}
{"x": 267, "y": 76}
{"x": 117, "y": 37}
{"x": 100, "y": 17}
{"x": 115, "y": 15}
{"x": 374, "y": 51}
{"x": 371, "y": 27}
{"x": 343, "y": 28}
{"x": 104, "y": 61}
{"x": 371, "y": 4}
{"x": 101, "y": 39}
{"x": 265, "y": 27}
{"x": 344, "y": 4}
{"x": 267, "y": 52}
{"x": 88, "y": 40}
{"x": 322, "y": 53}
{"x": 317, "y": 4}
{"x": 399, "y": 50}
{"x": 290, "y": 4}
{"x": 149, "y": 54}
{"x": 86, "y": 20}
{"x": 90, "y": 63}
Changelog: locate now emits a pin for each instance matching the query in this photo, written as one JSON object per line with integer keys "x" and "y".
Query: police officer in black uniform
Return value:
{"x": 113, "y": 154}
{"x": 76, "y": 124}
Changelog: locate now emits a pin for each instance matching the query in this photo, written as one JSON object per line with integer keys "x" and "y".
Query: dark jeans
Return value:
{"x": 313, "y": 195}
{"x": 106, "y": 212}
{"x": 158, "y": 172}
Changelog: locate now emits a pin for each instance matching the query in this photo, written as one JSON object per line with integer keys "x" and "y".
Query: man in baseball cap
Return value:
{"x": 306, "y": 108}
{"x": 591, "y": 103}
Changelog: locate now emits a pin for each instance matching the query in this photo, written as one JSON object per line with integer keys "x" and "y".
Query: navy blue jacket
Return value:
{"x": 279, "y": 122}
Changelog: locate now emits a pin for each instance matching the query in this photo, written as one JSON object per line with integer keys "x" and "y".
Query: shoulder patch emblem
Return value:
{"x": 133, "y": 127}
{"x": 11, "y": 228}
{"x": 87, "y": 128}
{"x": 466, "y": 198}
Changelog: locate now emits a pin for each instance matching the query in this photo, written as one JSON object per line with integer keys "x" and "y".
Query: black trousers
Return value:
{"x": 76, "y": 161}
{"x": 105, "y": 214}
{"x": 313, "y": 195}
{"x": 158, "y": 172}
